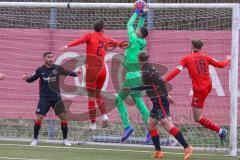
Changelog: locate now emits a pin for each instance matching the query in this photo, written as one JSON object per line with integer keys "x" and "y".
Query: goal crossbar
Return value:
{"x": 113, "y": 5}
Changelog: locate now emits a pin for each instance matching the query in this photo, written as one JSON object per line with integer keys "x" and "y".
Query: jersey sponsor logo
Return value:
{"x": 54, "y": 71}
{"x": 50, "y": 79}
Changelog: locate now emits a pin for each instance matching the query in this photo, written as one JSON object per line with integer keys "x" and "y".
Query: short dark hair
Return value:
{"x": 46, "y": 53}
{"x": 197, "y": 43}
{"x": 143, "y": 56}
{"x": 144, "y": 32}
{"x": 98, "y": 26}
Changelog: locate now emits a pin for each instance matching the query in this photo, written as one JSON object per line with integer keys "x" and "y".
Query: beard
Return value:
{"x": 49, "y": 63}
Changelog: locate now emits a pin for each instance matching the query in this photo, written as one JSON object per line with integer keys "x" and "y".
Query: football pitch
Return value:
{"x": 22, "y": 151}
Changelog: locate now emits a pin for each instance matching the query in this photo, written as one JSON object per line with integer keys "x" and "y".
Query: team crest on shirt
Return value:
{"x": 38, "y": 110}
{"x": 54, "y": 71}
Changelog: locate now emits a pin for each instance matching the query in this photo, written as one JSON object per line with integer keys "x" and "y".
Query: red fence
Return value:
{"x": 21, "y": 52}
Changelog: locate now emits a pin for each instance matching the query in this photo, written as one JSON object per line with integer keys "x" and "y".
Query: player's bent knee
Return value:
{"x": 167, "y": 124}
{"x": 152, "y": 124}
{"x": 196, "y": 118}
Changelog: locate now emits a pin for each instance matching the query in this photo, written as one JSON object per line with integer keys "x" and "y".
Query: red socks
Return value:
{"x": 153, "y": 133}
{"x": 92, "y": 110}
{"x": 101, "y": 105}
{"x": 208, "y": 124}
{"x": 64, "y": 127}
{"x": 174, "y": 131}
{"x": 38, "y": 123}
{"x": 64, "y": 123}
{"x": 155, "y": 138}
{"x": 37, "y": 127}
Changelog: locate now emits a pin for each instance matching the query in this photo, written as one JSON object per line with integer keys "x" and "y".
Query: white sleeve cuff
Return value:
{"x": 180, "y": 67}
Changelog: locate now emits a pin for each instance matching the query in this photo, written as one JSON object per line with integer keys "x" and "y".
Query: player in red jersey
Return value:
{"x": 197, "y": 64}
{"x": 95, "y": 68}
{"x": 2, "y": 76}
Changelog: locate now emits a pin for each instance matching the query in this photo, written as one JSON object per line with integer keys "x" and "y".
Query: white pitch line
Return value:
{"x": 12, "y": 158}
{"x": 116, "y": 150}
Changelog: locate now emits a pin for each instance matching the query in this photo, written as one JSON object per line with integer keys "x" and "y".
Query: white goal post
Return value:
{"x": 234, "y": 44}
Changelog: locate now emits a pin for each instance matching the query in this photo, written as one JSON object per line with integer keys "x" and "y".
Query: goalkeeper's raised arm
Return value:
{"x": 138, "y": 11}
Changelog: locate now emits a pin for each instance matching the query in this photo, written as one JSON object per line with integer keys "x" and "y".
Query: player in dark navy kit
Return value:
{"x": 50, "y": 97}
{"x": 158, "y": 94}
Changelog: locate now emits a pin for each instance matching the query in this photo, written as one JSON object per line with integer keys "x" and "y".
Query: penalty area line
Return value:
{"x": 15, "y": 158}
{"x": 108, "y": 149}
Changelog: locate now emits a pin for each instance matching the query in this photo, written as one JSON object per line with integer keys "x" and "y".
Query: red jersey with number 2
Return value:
{"x": 198, "y": 67}
{"x": 96, "y": 43}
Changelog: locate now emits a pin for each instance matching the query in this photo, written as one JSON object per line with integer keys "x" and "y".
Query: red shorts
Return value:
{"x": 95, "y": 77}
{"x": 199, "y": 96}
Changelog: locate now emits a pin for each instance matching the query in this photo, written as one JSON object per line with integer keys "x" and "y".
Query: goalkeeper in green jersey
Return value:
{"x": 137, "y": 43}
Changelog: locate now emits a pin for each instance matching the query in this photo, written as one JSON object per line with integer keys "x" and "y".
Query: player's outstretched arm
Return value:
{"x": 2, "y": 76}
{"x": 111, "y": 43}
{"x": 141, "y": 22}
{"x": 143, "y": 17}
{"x": 81, "y": 40}
{"x": 172, "y": 74}
{"x": 176, "y": 71}
{"x": 65, "y": 72}
{"x": 130, "y": 27}
{"x": 220, "y": 64}
{"x": 31, "y": 78}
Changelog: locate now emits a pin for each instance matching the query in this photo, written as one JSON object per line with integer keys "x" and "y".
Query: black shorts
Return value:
{"x": 160, "y": 109}
{"x": 44, "y": 105}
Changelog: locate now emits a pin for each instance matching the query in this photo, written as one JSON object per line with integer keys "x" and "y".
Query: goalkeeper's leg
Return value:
{"x": 141, "y": 107}
{"x": 122, "y": 109}
{"x": 123, "y": 113}
{"x": 137, "y": 97}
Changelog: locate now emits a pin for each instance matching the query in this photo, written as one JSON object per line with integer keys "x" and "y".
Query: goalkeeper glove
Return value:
{"x": 139, "y": 7}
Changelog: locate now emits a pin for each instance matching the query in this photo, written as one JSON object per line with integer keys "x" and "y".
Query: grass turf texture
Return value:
{"x": 22, "y": 151}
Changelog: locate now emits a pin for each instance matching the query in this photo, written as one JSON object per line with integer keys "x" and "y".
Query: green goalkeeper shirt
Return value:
{"x": 136, "y": 45}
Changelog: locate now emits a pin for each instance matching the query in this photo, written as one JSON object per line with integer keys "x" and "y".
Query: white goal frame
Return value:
{"x": 234, "y": 46}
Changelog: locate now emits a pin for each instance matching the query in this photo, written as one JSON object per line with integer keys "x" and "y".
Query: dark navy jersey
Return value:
{"x": 49, "y": 79}
{"x": 152, "y": 83}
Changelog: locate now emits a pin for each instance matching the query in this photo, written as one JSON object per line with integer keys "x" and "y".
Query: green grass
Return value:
{"x": 22, "y": 151}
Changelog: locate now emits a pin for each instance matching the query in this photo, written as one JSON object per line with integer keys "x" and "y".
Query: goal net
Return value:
{"x": 27, "y": 30}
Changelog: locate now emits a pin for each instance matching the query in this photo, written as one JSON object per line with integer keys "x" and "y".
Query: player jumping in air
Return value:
{"x": 137, "y": 43}
{"x": 2, "y": 76}
{"x": 158, "y": 94}
{"x": 50, "y": 96}
{"x": 95, "y": 69}
{"x": 197, "y": 64}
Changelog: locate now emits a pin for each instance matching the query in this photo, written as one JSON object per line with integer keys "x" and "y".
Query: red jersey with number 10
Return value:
{"x": 96, "y": 43}
{"x": 198, "y": 68}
